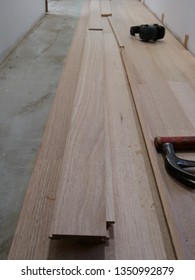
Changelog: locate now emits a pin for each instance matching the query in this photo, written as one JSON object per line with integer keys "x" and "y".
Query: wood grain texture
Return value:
{"x": 162, "y": 110}
{"x": 109, "y": 176}
{"x": 95, "y": 20}
{"x": 136, "y": 218}
{"x": 105, "y": 8}
{"x": 31, "y": 240}
{"x": 80, "y": 204}
{"x": 116, "y": 34}
{"x": 137, "y": 233}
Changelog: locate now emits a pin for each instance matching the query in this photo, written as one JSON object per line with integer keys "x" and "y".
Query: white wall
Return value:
{"x": 16, "y": 19}
{"x": 179, "y": 17}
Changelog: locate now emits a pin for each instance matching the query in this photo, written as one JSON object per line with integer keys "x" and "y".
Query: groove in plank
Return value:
{"x": 80, "y": 207}
{"x": 105, "y": 8}
{"x": 31, "y": 240}
{"x": 95, "y": 20}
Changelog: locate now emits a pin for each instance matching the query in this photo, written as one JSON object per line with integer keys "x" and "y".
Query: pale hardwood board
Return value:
{"x": 105, "y": 8}
{"x": 109, "y": 176}
{"x": 116, "y": 34}
{"x": 161, "y": 113}
{"x": 31, "y": 240}
{"x": 164, "y": 182}
{"x": 137, "y": 233}
{"x": 167, "y": 54}
{"x": 95, "y": 20}
{"x": 185, "y": 94}
{"x": 106, "y": 25}
{"x": 80, "y": 208}
{"x": 110, "y": 211}
{"x": 66, "y": 249}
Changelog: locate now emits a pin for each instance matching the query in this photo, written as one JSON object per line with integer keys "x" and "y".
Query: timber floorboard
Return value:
{"x": 137, "y": 233}
{"x": 136, "y": 220}
{"x": 82, "y": 188}
{"x": 95, "y": 20}
{"x": 105, "y": 8}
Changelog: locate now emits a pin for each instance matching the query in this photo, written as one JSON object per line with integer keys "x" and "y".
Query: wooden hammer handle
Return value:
{"x": 179, "y": 142}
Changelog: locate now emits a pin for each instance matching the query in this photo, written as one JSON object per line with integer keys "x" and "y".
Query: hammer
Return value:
{"x": 174, "y": 165}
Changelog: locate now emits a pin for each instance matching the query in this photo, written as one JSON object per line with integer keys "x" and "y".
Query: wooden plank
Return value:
{"x": 95, "y": 20}
{"x": 80, "y": 208}
{"x": 116, "y": 34}
{"x": 31, "y": 240}
{"x": 137, "y": 224}
{"x": 66, "y": 249}
{"x": 137, "y": 233}
{"x": 105, "y": 8}
{"x": 161, "y": 113}
{"x": 109, "y": 176}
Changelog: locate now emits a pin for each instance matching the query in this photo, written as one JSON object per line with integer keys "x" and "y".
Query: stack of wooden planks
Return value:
{"x": 98, "y": 176}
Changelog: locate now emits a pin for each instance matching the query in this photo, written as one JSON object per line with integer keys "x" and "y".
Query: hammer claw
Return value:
{"x": 176, "y": 166}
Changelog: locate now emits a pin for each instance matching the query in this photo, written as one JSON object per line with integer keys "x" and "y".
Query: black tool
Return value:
{"x": 148, "y": 32}
{"x": 174, "y": 165}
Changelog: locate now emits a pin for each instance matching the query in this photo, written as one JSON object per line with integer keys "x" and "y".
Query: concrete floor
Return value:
{"x": 28, "y": 82}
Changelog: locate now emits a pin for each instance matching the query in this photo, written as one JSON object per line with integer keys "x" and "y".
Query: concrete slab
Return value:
{"x": 28, "y": 82}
